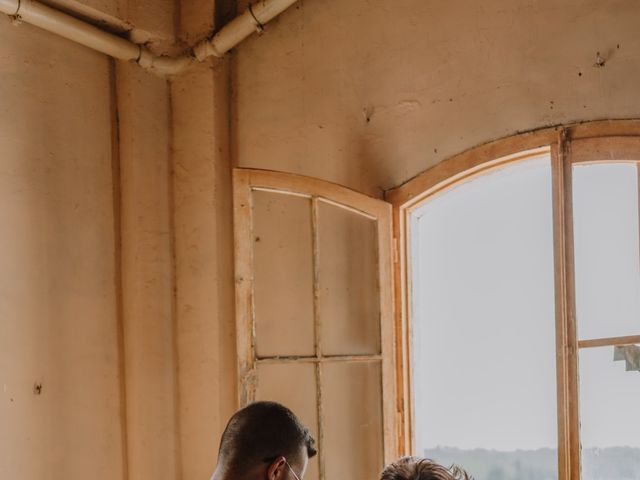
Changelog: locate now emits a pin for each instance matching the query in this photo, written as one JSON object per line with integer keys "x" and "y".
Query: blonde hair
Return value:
{"x": 415, "y": 468}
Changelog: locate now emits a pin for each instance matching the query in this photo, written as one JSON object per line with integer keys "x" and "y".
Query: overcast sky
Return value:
{"x": 483, "y": 309}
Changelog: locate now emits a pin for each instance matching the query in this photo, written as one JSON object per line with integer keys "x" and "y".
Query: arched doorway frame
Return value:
{"x": 589, "y": 142}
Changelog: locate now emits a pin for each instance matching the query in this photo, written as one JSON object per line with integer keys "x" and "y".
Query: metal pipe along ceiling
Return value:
{"x": 47, "y": 18}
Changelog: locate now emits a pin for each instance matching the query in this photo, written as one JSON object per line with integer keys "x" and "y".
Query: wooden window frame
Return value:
{"x": 245, "y": 181}
{"x": 589, "y": 142}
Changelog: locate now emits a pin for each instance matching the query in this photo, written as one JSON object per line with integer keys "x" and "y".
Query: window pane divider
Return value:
{"x": 609, "y": 341}
{"x": 321, "y": 359}
{"x": 566, "y": 337}
{"x": 317, "y": 334}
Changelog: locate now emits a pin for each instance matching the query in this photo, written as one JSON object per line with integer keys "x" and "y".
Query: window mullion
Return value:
{"x": 638, "y": 186}
{"x": 317, "y": 335}
{"x": 566, "y": 338}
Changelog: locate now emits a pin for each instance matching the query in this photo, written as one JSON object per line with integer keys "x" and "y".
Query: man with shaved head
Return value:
{"x": 264, "y": 441}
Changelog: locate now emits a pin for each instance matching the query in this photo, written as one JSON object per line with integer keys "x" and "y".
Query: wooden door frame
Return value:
{"x": 245, "y": 181}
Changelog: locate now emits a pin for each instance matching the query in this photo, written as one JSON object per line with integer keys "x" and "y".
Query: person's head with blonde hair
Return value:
{"x": 415, "y": 468}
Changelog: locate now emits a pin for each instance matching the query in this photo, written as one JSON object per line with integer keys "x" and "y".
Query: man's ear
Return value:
{"x": 277, "y": 469}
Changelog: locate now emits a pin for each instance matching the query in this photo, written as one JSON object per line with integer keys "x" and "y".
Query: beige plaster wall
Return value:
{"x": 370, "y": 93}
{"x": 86, "y": 273}
{"x": 147, "y": 273}
{"x": 116, "y": 282}
{"x": 59, "y": 322}
{"x": 203, "y": 248}
{"x": 204, "y": 264}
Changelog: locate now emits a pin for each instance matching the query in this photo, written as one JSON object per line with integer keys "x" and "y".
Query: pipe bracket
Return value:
{"x": 259, "y": 25}
{"x": 15, "y": 17}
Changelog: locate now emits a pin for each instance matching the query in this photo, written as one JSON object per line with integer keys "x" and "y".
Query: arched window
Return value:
{"x": 520, "y": 296}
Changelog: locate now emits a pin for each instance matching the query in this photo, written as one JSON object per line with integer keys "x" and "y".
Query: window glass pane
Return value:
{"x": 283, "y": 289}
{"x": 352, "y": 402}
{"x": 609, "y": 415}
{"x": 607, "y": 263}
{"x": 293, "y": 385}
{"x": 348, "y": 277}
{"x": 483, "y": 321}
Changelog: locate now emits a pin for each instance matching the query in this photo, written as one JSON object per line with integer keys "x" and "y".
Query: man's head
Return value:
{"x": 264, "y": 441}
{"x": 414, "y": 468}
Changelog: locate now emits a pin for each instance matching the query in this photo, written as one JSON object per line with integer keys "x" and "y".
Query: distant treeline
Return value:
{"x": 615, "y": 463}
